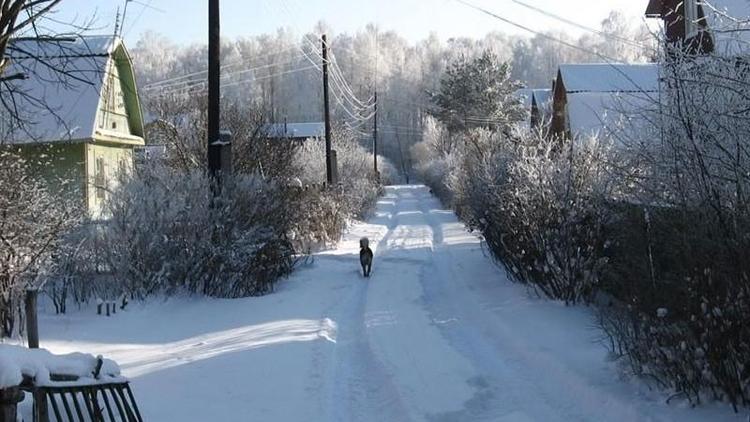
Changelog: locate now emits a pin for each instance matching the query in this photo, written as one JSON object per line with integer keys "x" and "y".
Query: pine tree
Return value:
{"x": 478, "y": 93}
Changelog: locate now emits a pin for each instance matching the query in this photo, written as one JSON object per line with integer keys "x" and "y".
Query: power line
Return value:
{"x": 540, "y": 34}
{"x": 223, "y": 76}
{"x": 201, "y": 83}
{"x": 225, "y": 66}
{"x": 338, "y": 78}
{"x": 144, "y": 6}
{"x": 578, "y": 25}
{"x": 355, "y": 110}
{"x": 302, "y": 69}
{"x": 338, "y": 83}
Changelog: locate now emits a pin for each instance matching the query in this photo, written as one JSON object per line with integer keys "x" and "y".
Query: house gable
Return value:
{"x": 112, "y": 115}
{"x": 119, "y": 117}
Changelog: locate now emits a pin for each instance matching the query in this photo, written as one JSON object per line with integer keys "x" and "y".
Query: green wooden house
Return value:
{"x": 79, "y": 116}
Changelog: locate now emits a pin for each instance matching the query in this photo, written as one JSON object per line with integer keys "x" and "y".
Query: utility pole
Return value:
{"x": 214, "y": 89}
{"x": 327, "y": 114}
{"x": 375, "y": 137}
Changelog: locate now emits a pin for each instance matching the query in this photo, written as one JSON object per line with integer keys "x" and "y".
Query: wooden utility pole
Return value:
{"x": 327, "y": 114}
{"x": 214, "y": 88}
{"x": 375, "y": 137}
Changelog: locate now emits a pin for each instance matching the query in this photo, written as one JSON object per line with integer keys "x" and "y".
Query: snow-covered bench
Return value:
{"x": 73, "y": 387}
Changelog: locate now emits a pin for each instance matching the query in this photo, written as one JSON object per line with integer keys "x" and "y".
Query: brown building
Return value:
{"x": 704, "y": 27}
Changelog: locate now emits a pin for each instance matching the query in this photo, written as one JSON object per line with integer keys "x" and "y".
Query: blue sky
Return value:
{"x": 184, "y": 21}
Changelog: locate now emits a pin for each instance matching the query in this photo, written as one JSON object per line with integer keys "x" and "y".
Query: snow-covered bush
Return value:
{"x": 558, "y": 212}
{"x": 180, "y": 124}
{"x": 539, "y": 203}
{"x": 167, "y": 233}
{"x": 540, "y": 206}
{"x": 681, "y": 243}
{"x": 319, "y": 220}
{"x": 435, "y": 157}
{"x": 359, "y": 188}
{"x": 32, "y": 220}
{"x": 75, "y": 268}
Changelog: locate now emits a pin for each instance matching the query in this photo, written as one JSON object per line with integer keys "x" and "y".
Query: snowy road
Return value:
{"x": 437, "y": 334}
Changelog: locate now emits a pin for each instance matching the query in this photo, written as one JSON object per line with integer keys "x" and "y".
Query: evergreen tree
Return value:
{"x": 478, "y": 93}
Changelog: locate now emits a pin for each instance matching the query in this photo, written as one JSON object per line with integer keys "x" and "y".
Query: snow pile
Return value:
{"x": 17, "y": 362}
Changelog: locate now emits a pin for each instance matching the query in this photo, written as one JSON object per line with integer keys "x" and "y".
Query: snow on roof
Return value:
{"x": 17, "y": 362}
{"x": 295, "y": 130}
{"x": 542, "y": 97}
{"x": 729, "y": 23}
{"x": 603, "y": 77}
{"x": 60, "y": 98}
{"x": 600, "y": 113}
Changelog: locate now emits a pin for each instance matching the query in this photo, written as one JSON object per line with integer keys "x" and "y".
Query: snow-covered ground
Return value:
{"x": 437, "y": 334}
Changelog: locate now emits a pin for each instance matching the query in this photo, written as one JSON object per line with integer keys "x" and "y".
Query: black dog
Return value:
{"x": 365, "y": 256}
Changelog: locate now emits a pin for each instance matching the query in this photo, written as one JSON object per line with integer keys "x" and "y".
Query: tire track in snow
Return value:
{"x": 358, "y": 386}
{"x": 494, "y": 399}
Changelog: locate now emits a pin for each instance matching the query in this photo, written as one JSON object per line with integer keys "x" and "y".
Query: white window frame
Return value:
{"x": 691, "y": 18}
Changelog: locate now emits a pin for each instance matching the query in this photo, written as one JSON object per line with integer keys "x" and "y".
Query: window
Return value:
{"x": 100, "y": 180}
{"x": 122, "y": 167}
{"x": 691, "y": 18}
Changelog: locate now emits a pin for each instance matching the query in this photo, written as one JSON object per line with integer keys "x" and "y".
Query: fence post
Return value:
{"x": 32, "y": 325}
{"x": 9, "y": 399}
{"x": 41, "y": 410}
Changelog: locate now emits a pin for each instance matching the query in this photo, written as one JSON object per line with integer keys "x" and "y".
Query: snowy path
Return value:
{"x": 437, "y": 334}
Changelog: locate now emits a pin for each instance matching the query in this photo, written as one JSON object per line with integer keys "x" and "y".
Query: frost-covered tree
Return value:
{"x": 189, "y": 240}
{"x": 31, "y": 50}
{"x": 18, "y": 17}
{"x": 32, "y": 221}
{"x": 358, "y": 183}
{"x": 478, "y": 93}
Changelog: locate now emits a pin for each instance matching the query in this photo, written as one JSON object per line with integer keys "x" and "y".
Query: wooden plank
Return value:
{"x": 54, "y": 405}
{"x": 76, "y": 405}
{"x": 68, "y": 412}
{"x": 117, "y": 403}
{"x": 87, "y": 402}
{"x": 62, "y": 378}
{"x": 106, "y": 403}
{"x": 132, "y": 401}
{"x": 131, "y": 416}
{"x": 93, "y": 402}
